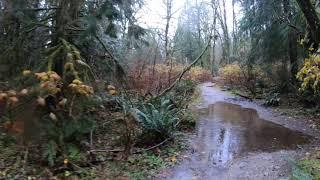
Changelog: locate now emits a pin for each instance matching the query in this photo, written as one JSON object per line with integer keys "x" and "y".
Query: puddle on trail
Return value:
{"x": 226, "y": 131}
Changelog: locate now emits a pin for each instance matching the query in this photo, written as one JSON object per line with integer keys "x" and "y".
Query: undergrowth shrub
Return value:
{"x": 182, "y": 94}
{"x": 272, "y": 99}
{"x": 154, "y": 79}
{"x": 306, "y": 169}
{"x": 59, "y": 111}
{"x": 309, "y": 76}
{"x": 231, "y": 74}
{"x": 247, "y": 78}
{"x": 309, "y": 73}
{"x": 278, "y": 76}
{"x": 62, "y": 111}
{"x": 162, "y": 120}
{"x": 66, "y": 134}
{"x": 198, "y": 74}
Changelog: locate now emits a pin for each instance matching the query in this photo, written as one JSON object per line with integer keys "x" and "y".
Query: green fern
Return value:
{"x": 162, "y": 120}
{"x": 299, "y": 172}
{"x": 50, "y": 152}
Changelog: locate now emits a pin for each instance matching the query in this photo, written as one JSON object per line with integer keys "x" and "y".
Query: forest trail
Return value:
{"x": 233, "y": 141}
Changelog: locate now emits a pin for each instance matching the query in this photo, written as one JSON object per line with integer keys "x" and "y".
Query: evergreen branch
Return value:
{"x": 118, "y": 66}
{"x": 31, "y": 9}
{"x": 288, "y": 22}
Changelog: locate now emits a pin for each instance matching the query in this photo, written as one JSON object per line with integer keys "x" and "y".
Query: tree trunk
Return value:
{"x": 166, "y": 36}
{"x": 292, "y": 41}
{"x": 313, "y": 21}
{"x": 66, "y": 15}
{"x": 199, "y": 29}
{"x": 226, "y": 39}
{"x": 213, "y": 53}
{"x": 234, "y": 29}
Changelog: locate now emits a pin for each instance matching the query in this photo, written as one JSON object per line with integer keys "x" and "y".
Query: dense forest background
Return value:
{"x": 263, "y": 33}
{"x": 81, "y": 75}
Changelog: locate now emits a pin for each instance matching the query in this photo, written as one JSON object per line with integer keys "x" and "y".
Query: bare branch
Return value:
{"x": 185, "y": 70}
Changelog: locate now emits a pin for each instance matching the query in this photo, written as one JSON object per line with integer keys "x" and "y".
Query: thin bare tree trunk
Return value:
{"x": 222, "y": 16}
{"x": 292, "y": 45}
{"x": 234, "y": 29}
{"x": 168, "y": 4}
{"x": 213, "y": 53}
{"x": 198, "y": 27}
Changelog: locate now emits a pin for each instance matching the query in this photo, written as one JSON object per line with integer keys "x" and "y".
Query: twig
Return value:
{"x": 91, "y": 139}
{"x": 106, "y": 150}
{"x": 25, "y": 158}
{"x": 71, "y": 106}
{"x": 288, "y": 23}
{"x": 185, "y": 70}
{"x": 244, "y": 96}
{"x": 152, "y": 147}
{"x": 109, "y": 52}
{"x": 32, "y": 9}
{"x": 136, "y": 152}
{"x": 119, "y": 69}
{"x": 78, "y": 167}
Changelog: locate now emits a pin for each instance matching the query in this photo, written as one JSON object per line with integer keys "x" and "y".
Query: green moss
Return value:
{"x": 311, "y": 166}
{"x": 306, "y": 169}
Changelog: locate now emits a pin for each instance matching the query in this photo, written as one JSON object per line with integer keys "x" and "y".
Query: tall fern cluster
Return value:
{"x": 162, "y": 120}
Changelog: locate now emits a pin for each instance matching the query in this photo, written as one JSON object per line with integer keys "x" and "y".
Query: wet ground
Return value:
{"x": 233, "y": 141}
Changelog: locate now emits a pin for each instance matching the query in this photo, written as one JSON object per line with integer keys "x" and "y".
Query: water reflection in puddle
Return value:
{"x": 226, "y": 131}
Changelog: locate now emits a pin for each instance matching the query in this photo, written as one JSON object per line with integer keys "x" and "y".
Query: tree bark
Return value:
{"x": 198, "y": 11}
{"x": 168, "y": 4}
{"x": 66, "y": 15}
{"x": 234, "y": 29}
{"x": 313, "y": 21}
{"x": 226, "y": 39}
{"x": 292, "y": 41}
{"x": 213, "y": 47}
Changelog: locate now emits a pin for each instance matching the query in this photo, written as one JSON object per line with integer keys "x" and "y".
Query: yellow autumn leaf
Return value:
{"x": 65, "y": 161}
{"x": 11, "y": 93}
{"x": 111, "y": 87}
{"x": 112, "y": 92}
{"x": 53, "y": 116}
{"x": 68, "y": 66}
{"x": 3, "y": 96}
{"x": 26, "y": 72}
{"x": 13, "y": 101}
{"x": 41, "y": 101}
{"x": 23, "y": 92}
{"x": 173, "y": 159}
{"x": 77, "y": 82}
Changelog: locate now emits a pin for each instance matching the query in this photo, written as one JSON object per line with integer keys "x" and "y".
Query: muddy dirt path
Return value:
{"x": 237, "y": 139}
